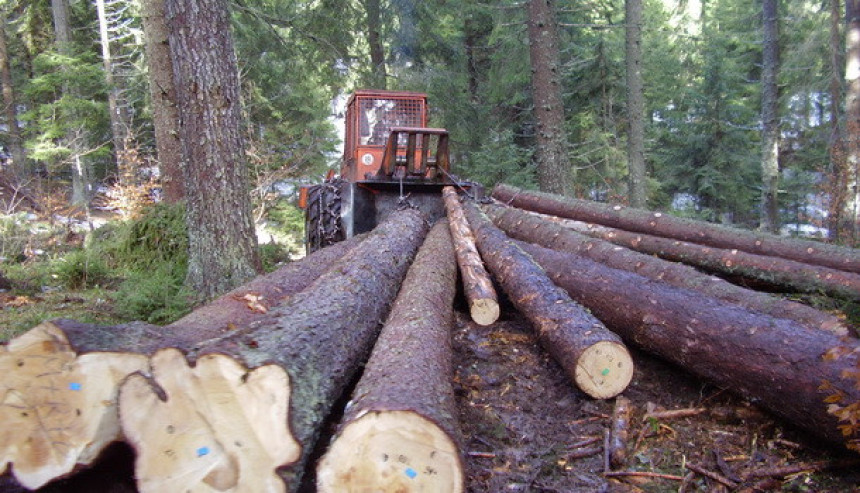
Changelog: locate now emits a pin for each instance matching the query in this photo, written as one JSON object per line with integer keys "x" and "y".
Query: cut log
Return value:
{"x": 777, "y": 363}
{"x": 400, "y": 432}
{"x": 320, "y": 337}
{"x": 58, "y": 403}
{"x": 479, "y": 290}
{"x": 529, "y": 227}
{"x": 619, "y": 432}
{"x": 659, "y": 224}
{"x": 250, "y": 303}
{"x": 771, "y": 271}
{"x": 593, "y": 357}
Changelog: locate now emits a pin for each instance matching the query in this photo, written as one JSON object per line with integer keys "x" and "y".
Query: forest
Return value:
{"x": 159, "y": 310}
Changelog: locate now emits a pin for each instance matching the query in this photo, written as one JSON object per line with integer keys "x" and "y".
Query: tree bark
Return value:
{"x": 477, "y": 285}
{"x": 594, "y": 358}
{"x": 19, "y": 157}
{"x": 848, "y": 211}
{"x": 397, "y": 435}
{"x": 838, "y": 171}
{"x": 553, "y": 165}
{"x": 776, "y": 272}
{"x": 165, "y": 117}
{"x": 619, "y": 432}
{"x": 529, "y": 227}
{"x": 299, "y": 359}
{"x": 119, "y": 128}
{"x": 379, "y": 74}
{"x": 656, "y": 223}
{"x": 636, "y": 180}
{"x": 779, "y": 364}
{"x": 222, "y": 251}
{"x": 769, "y": 214}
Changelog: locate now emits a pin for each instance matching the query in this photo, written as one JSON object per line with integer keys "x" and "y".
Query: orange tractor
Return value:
{"x": 391, "y": 159}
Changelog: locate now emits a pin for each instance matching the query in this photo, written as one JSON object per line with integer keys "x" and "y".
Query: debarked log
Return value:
{"x": 776, "y": 272}
{"x": 785, "y": 367}
{"x": 594, "y": 358}
{"x": 400, "y": 431}
{"x": 659, "y": 224}
{"x": 534, "y": 229}
{"x": 479, "y": 290}
{"x": 255, "y": 401}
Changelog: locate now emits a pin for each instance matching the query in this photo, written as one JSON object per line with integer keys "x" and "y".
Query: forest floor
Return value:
{"x": 527, "y": 428}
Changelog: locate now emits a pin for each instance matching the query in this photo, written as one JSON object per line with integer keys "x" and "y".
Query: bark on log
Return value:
{"x": 58, "y": 407}
{"x": 218, "y": 429}
{"x": 483, "y": 302}
{"x": 776, "y": 272}
{"x": 251, "y": 302}
{"x": 593, "y": 357}
{"x": 400, "y": 431}
{"x": 777, "y": 363}
{"x": 529, "y": 227}
{"x": 656, "y": 223}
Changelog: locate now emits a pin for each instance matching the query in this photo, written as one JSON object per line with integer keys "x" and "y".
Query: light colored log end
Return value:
{"x": 484, "y": 311}
{"x": 58, "y": 409}
{"x": 391, "y": 451}
{"x": 221, "y": 427}
{"x": 604, "y": 370}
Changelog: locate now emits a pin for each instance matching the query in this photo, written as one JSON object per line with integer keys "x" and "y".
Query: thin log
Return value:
{"x": 643, "y": 474}
{"x": 216, "y": 428}
{"x": 479, "y": 290}
{"x": 660, "y": 224}
{"x": 400, "y": 430}
{"x": 534, "y": 229}
{"x": 711, "y": 474}
{"x": 779, "y": 364}
{"x": 777, "y": 272}
{"x": 594, "y": 358}
{"x": 619, "y": 431}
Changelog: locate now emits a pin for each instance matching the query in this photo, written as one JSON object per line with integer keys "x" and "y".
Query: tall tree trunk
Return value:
{"x": 838, "y": 162}
{"x": 379, "y": 74}
{"x": 19, "y": 157}
{"x": 165, "y": 116}
{"x": 74, "y": 138}
{"x": 848, "y": 211}
{"x": 553, "y": 166}
{"x": 222, "y": 240}
{"x": 636, "y": 184}
{"x": 769, "y": 220}
{"x": 118, "y": 127}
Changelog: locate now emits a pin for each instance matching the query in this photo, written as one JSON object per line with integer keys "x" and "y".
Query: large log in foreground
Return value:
{"x": 399, "y": 432}
{"x": 60, "y": 379}
{"x": 479, "y": 290}
{"x": 659, "y": 224}
{"x": 776, "y": 363}
{"x": 777, "y": 272}
{"x": 529, "y": 227}
{"x": 593, "y": 357}
{"x": 210, "y": 431}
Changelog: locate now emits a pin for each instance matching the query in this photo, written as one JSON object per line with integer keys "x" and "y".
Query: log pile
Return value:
{"x": 239, "y": 394}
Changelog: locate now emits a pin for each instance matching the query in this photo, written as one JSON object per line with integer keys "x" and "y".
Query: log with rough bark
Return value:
{"x": 85, "y": 364}
{"x": 479, "y": 290}
{"x": 593, "y": 357}
{"x": 534, "y": 229}
{"x": 619, "y": 432}
{"x": 779, "y": 273}
{"x": 400, "y": 431}
{"x": 659, "y": 224}
{"x": 779, "y": 364}
{"x": 255, "y": 401}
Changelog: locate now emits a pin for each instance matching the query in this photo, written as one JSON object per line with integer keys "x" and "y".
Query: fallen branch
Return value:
{"x": 712, "y": 475}
{"x": 642, "y": 474}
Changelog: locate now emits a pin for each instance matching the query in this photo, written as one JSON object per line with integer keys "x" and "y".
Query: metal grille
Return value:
{"x": 378, "y": 116}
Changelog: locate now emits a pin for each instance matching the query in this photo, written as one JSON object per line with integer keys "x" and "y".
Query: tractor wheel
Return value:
{"x": 322, "y": 217}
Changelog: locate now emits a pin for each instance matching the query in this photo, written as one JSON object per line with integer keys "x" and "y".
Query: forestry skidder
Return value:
{"x": 391, "y": 159}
